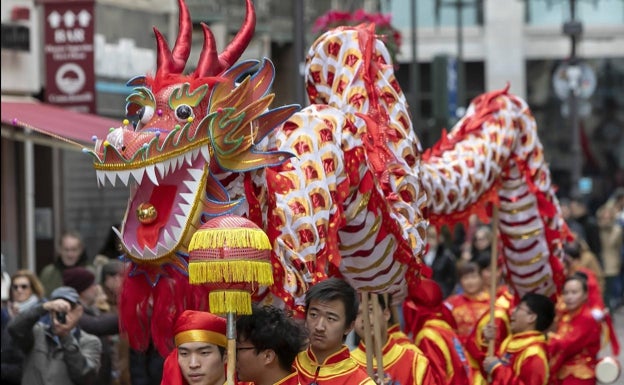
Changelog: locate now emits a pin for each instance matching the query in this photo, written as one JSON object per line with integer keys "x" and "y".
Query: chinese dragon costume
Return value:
{"x": 342, "y": 187}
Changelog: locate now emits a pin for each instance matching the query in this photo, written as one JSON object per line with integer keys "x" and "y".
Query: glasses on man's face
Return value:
{"x": 244, "y": 348}
{"x": 22, "y": 286}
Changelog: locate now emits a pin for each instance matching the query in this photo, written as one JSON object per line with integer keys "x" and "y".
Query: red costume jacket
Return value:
{"x": 397, "y": 334}
{"x": 523, "y": 360}
{"x": 337, "y": 369}
{"x": 401, "y": 364}
{"x": 467, "y": 310}
{"x": 573, "y": 349}
{"x": 292, "y": 379}
{"x": 439, "y": 342}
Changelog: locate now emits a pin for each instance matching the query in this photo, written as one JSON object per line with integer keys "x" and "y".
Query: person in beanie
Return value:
{"x": 83, "y": 280}
{"x": 57, "y": 350}
{"x": 199, "y": 355}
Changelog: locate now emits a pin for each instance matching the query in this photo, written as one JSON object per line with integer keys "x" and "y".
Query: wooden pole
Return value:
{"x": 493, "y": 271}
{"x": 231, "y": 348}
{"x": 378, "y": 342}
{"x": 368, "y": 336}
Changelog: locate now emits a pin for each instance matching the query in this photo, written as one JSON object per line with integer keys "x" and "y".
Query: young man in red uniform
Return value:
{"x": 267, "y": 343}
{"x": 432, "y": 325}
{"x": 331, "y": 307}
{"x": 401, "y": 364}
{"x": 522, "y": 358}
{"x": 199, "y": 356}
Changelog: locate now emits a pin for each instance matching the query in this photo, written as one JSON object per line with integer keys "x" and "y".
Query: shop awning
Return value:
{"x": 57, "y": 122}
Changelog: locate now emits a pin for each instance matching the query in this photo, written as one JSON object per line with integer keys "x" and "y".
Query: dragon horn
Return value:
{"x": 168, "y": 62}
{"x": 164, "y": 59}
{"x": 235, "y": 49}
{"x": 208, "y": 62}
{"x": 182, "y": 47}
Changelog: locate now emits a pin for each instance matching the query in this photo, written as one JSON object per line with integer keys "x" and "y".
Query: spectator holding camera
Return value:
{"x": 57, "y": 350}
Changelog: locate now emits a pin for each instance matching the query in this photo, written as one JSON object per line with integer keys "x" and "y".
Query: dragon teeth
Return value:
{"x": 151, "y": 174}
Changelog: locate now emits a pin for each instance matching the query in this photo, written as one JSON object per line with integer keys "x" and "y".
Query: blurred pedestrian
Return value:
{"x": 441, "y": 261}
{"x": 93, "y": 321}
{"x": 25, "y": 292}
{"x": 57, "y": 351}
{"x": 71, "y": 252}
{"x": 112, "y": 279}
{"x": 612, "y": 241}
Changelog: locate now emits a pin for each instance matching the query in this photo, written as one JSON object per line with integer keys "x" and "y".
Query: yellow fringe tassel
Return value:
{"x": 223, "y": 302}
{"x": 259, "y": 272}
{"x": 235, "y": 238}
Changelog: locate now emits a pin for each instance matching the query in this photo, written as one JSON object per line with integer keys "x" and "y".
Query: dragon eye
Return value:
{"x": 183, "y": 112}
{"x": 146, "y": 114}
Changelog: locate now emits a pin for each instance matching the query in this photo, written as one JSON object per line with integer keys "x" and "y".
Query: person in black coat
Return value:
{"x": 441, "y": 261}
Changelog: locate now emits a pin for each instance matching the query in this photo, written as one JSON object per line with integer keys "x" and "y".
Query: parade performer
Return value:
{"x": 401, "y": 364}
{"x": 574, "y": 347}
{"x": 331, "y": 309}
{"x": 199, "y": 355}
{"x": 522, "y": 358}
{"x": 470, "y": 305}
{"x": 431, "y": 324}
{"x": 268, "y": 341}
{"x": 476, "y": 343}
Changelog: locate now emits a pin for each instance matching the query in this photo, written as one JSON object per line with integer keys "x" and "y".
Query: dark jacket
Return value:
{"x": 12, "y": 356}
{"x": 444, "y": 270}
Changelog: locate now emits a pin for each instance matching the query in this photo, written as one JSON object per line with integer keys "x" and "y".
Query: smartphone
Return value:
{"x": 61, "y": 317}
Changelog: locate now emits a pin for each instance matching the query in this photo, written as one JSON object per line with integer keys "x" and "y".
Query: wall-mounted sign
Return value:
{"x": 69, "y": 54}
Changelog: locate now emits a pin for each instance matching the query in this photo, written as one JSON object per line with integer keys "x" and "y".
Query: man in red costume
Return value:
{"x": 331, "y": 307}
{"x": 401, "y": 364}
{"x": 432, "y": 325}
{"x": 199, "y": 355}
{"x": 522, "y": 358}
{"x": 267, "y": 343}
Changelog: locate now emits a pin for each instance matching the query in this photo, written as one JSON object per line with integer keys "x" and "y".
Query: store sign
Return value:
{"x": 69, "y": 54}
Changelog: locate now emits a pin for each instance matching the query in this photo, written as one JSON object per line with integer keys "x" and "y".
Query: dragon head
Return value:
{"x": 188, "y": 127}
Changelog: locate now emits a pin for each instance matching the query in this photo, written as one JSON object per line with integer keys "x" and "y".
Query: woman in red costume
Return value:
{"x": 574, "y": 347}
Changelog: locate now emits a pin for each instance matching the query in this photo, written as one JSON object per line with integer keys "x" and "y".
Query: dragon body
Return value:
{"x": 341, "y": 187}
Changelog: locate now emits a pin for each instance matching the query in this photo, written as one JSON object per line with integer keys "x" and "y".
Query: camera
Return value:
{"x": 61, "y": 317}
